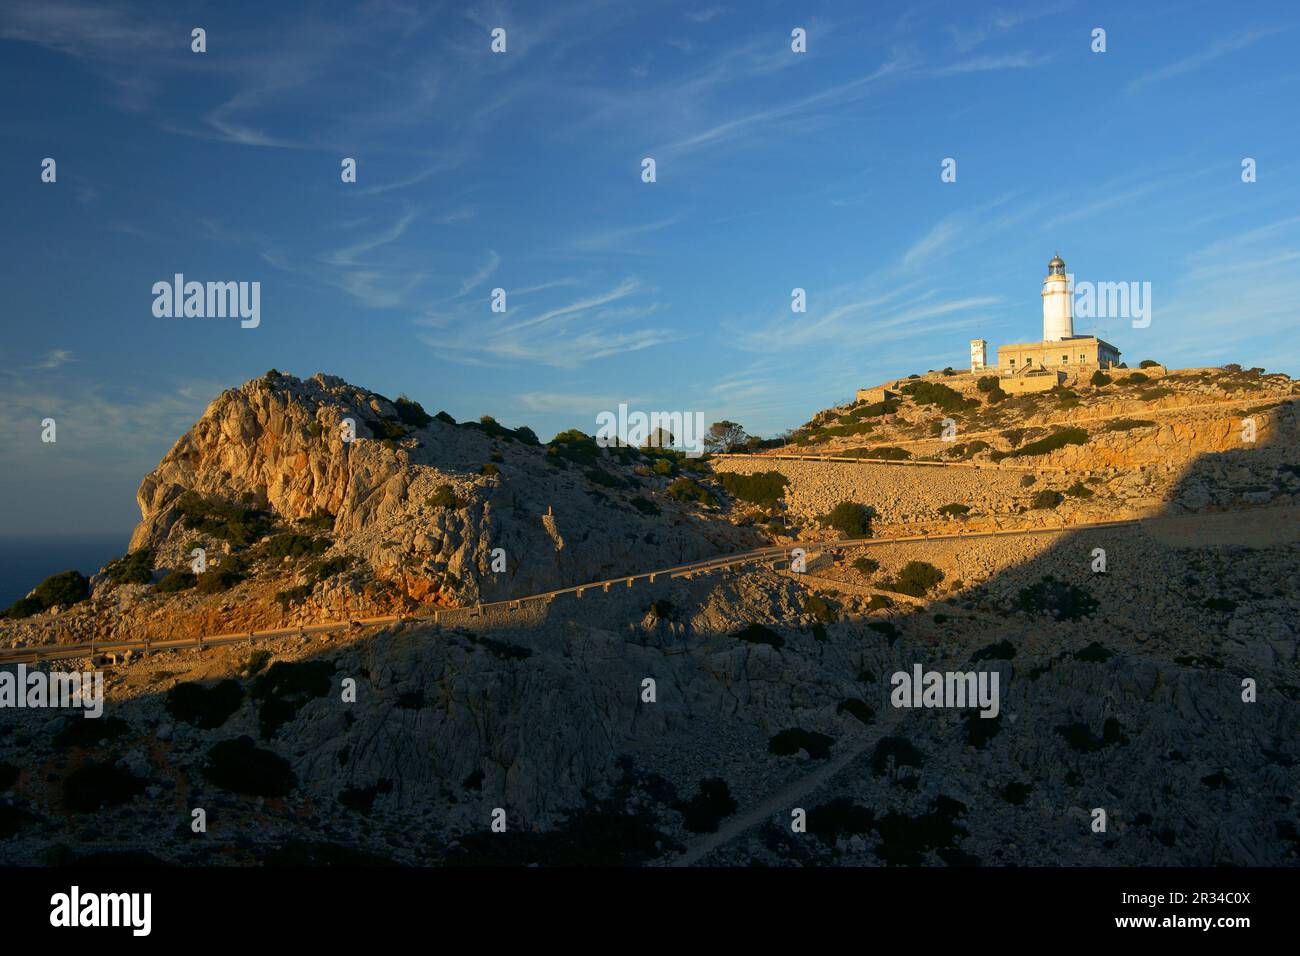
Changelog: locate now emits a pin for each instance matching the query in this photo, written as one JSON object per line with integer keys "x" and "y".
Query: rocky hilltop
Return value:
{"x": 686, "y": 720}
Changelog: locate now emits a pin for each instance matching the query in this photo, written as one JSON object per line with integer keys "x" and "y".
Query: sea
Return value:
{"x": 27, "y": 560}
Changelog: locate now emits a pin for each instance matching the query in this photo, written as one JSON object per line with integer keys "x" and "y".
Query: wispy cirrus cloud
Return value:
{"x": 1215, "y": 51}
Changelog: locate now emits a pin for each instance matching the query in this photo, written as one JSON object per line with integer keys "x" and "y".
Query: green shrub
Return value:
{"x": 878, "y": 602}
{"x": 599, "y": 476}
{"x": 1099, "y": 379}
{"x": 206, "y": 708}
{"x": 242, "y": 767}
{"x": 175, "y": 581}
{"x": 934, "y": 393}
{"x": 645, "y": 506}
{"x": 95, "y": 785}
{"x": 866, "y": 566}
{"x": 291, "y": 545}
{"x": 574, "y": 446}
{"x": 1137, "y": 378}
{"x": 318, "y": 571}
{"x": 411, "y": 412}
{"x": 988, "y": 383}
{"x": 763, "y": 488}
{"x": 489, "y": 470}
{"x": 1046, "y": 498}
{"x": 849, "y": 518}
{"x": 444, "y": 496}
{"x": 292, "y": 596}
{"x": 819, "y": 609}
{"x": 689, "y": 490}
{"x": 1148, "y": 363}
{"x": 664, "y": 467}
{"x": 445, "y": 418}
{"x": 789, "y": 742}
{"x": 133, "y": 568}
{"x": 1128, "y": 424}
{"x": 886, "y": 452}
{"x": 58, "y": 590}
{"x": 386, "y": 429}
{"x": 916, "y": 579}
{"x": 237, "y": 524}
{"x": 1062, "y": 601}
{"x": 221, "y": 578}
{"x": 1079, "y": 490}
{"x": 955, "y": 510}
{"x": 1151, "y": 394}
{"x": 1053, "y": 442}
{"x": 703, "y": 812}
{"x": 995, "y": 395}
{"x": 758, "y": 634}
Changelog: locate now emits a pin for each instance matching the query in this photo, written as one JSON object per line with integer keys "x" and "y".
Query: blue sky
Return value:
{"x": 522, "y": 170}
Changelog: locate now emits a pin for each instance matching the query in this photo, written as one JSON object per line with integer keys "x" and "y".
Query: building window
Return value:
{"x": 1065, "y": 359}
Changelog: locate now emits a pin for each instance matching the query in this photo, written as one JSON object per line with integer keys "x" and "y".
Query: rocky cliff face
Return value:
{"x": 278, "y": 444}
{"x": 643, "y": 725}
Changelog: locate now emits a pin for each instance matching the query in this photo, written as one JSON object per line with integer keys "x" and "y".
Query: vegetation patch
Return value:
{"x": 205, "y": 707}
{"x": 238, "y": 524}
{"x": 789, "y": 742}
{"x": 444, "y": 496}
{"x": 857, "y": 707}
{"x": 1045, "y": 499}
{"x": 1080, "y": 737}
{"x": 81, "y": 732}
{"x": 94, "y": 785}
{"x": 703, "y": 812}
{"x": 285, "y": 688}
{"x": 240, "y": 766}
{"x": 133, "y": 568}
{"x": 758, "y": 634}
{"x": 58, "y": 590}
{"x": 955, "y": 510}
{"x": 688, "y": 490}
{"x": 820, "y": 609}
{"x": 1061, "y": 600}
{"x": 174, "y": 581}
{"x": 1127, "y": 424}
{"x": 764, "y": 488}
{"x": 916, "y": 579}
{"x": 850, "y": 519}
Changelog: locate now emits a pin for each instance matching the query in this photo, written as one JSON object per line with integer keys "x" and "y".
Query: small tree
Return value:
{"x": 1099, "y": 378}
{"x": 850, "y": 519}
{"x": 724, "y": 436}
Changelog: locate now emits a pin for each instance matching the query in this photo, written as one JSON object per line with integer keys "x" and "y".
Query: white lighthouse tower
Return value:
{"x": 1058, "y": 319}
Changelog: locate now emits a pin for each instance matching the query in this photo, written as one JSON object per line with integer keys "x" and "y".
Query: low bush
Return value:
{"x": 444, "y": 496}
{"x": 238, "y": 524}
{"x": 866, "y": 566}
{"x": 133, "y": 568}
{"x": 916, "y": 578}
{"x": 58, "y": 590}
{"x": 174, "y": 581}
{"x": 849, "y": 518}
{"x": 411, "y": 412}
{"x": 688, "y": 490}
{"x": 1127, "y": 424}
{"x": 1099, "y": 379}
{"x": 955, "y": 510}
{"x": 763, "y": 488}
{"x": 1047, "y": 498}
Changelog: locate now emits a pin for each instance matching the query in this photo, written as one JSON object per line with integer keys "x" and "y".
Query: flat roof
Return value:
{"x": 1072, "y": 338}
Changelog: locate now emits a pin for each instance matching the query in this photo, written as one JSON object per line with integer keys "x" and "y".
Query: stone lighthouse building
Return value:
{"x": 1060, "y": 349}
